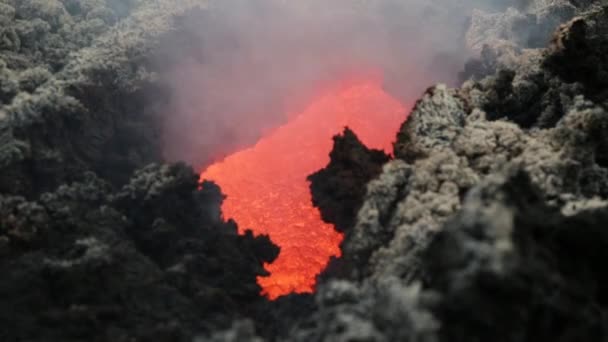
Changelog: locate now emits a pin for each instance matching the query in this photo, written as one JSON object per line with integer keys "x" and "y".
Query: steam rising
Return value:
{"x": 239, "y": 67}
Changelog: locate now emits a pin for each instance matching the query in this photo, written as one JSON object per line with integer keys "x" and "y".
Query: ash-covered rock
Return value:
{"x": 239, "y": 331}
{"x": 529, "y": 26}
{"x": 148, "y": 262}
{"x": 90, "y": 248}
{"x": 452, "y": 127}
{"x": 76, "y": 91}
{"x": 505, "y": 40}
{"x": 496, "y": 203}
{"x": 508, "y": 267}
{"x": 489, "y": 224}
{"x": 537, "y": 87}
{"x": 338, "y": 189}
{"x": 579, "y": 53}
{"x": 383, "y": 311}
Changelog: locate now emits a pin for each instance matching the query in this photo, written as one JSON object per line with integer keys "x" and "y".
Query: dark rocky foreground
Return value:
{"x": 488, "y": 225}
{"x": 98, "y": 243}
{"x": 150, "y": 261}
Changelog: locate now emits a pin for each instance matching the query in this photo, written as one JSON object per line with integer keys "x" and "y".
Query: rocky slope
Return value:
{"x": 489, "y": 223}
{"x": 97, "y": 243}
{"x": 145, "y": 263}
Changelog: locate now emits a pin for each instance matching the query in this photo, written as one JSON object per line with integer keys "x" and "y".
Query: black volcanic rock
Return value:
{"x": 490, "y": 224}
{"x": 508, "y": 267}
{"x": 75, "y": 93}
{"x": 338, "y": 189}
{"x": 579, "y": 53}
{"x": 535, "y": 87}
{"x": 148, "y": 262}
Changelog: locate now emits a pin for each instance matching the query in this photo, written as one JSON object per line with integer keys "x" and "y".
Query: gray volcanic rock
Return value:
{"x": 538, "y": 87}
{"x": 579, "y": 53}
{"x": 495, "y": 203}
{"x": 496, "y": 270}
{"x": 75, "y": 91}
{"x": 508, "y": 268}
{"x": 146, "y": 263}
{"x": 508, "y": 39}
{"x": 529, "y": 25}
{"x": 383, "y": 311}
{"x": 488, "y": 224}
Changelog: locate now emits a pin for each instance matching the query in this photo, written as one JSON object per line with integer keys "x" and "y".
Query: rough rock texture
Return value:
{"x": 488, "y": 225}
{"x": 383, "y": 311}
{"x": 531, "y": 26}
{"x": 94, "y": 244}
{"x": 339, "y": 188}
{"x": 537, "y": 87}
{"x": 83, "y": 100}
{"x": 509, "y": 268}
{"x": 579, "y": 53}
{"x": 491, "y": 219}
{"x": 146, "y": 263}
{"x": 505, "y": 40}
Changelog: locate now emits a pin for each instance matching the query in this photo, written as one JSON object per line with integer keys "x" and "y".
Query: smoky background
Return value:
{"x": 238, "y": 68}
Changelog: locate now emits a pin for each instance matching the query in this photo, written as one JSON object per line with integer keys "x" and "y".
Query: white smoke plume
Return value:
{"x": 240, "y": 67}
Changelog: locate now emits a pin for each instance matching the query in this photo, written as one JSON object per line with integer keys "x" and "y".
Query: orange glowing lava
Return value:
{"x": 266, "y": 184}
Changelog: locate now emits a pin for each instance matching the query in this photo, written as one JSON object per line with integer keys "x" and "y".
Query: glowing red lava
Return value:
{"x": 266, "y": 185}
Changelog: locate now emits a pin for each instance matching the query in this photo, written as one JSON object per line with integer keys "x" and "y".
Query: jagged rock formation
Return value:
{"x": 148, "y": 262}
{"x": 339, "y": 188}
{"x": 540, "y": 93}
{"x": 489, "y": 223}
{"x": 507, "y": 267}
{"x": 579, "y": 54}
{"x": 481, "y": 221}
{"x": 94, "y": 244}
{"x": 75, "y": 94}
{"x": 507, "y": 39}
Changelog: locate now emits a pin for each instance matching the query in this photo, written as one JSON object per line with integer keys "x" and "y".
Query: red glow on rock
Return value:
{"x": 266, "y": 184}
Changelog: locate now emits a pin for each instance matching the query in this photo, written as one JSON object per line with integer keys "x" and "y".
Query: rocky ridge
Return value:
{"x": 487, "y": 224}
{"x": 476, "y": 230}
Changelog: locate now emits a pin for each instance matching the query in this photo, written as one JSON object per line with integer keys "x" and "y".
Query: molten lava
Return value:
{"x": 266, "y": 185}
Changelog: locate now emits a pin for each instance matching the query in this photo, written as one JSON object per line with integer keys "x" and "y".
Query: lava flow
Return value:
{"x": 266, "y": 184}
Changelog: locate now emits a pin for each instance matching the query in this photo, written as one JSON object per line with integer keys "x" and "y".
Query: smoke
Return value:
{"x": 241, "y": 67}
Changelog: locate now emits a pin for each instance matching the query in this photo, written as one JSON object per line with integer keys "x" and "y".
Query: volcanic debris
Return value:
{"x": 490, "y": 219}
{"x": 488, "y": 224}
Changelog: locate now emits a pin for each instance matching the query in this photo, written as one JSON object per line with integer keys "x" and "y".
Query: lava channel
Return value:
{"x": 266, "y": 184}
